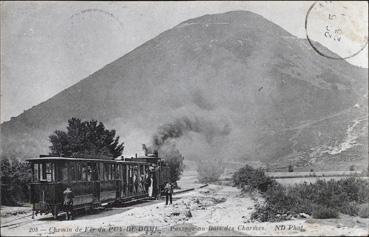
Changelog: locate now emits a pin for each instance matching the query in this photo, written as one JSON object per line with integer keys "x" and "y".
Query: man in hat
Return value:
{"x": 68, "y": 202}
{"x": 168, "y": 190}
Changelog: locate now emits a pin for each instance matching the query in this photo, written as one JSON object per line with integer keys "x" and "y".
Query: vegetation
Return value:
{"x": 15, "y": 177}
{"x": 323, "y": 212}
{"x": 209, "y": 170}
{"x": 85, "y": 139}
{"x": 249, "y": 178}
{"x": 323, "y": 199}
{"x": 364, "y": 210}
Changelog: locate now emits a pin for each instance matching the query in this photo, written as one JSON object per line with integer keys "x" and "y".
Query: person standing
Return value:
{"x": 168, "y": 189}
{"x": 150, "y": 185}
{"x": 68, "y": 202}
{"x": 135, "y": 182}
{"x": 147, "y": 183}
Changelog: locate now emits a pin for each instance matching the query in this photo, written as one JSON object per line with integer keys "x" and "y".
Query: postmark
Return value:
{"x": 99, "y": 12}
{"x": 340, "y": 27}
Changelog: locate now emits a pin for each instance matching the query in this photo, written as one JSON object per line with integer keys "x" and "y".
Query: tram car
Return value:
{"x": 94, "y": 182}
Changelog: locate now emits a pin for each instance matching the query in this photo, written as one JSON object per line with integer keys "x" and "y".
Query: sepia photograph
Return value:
{"x": 184, "y": 118}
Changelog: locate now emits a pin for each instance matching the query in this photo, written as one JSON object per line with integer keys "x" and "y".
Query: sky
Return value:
{"x": 47, "y": 47}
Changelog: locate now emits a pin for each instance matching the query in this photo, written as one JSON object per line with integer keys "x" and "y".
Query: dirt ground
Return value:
{"x": 210, "y": 211}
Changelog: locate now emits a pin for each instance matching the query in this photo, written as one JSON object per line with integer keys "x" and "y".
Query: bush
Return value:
{"x": 249, "y": 178}
{"x": 323, "y": 199}
{"x": 209, "y": 171}
{"x": 322, "y": 212}
{"x": 364, "y": 210}
{"x": 350, "y": 208}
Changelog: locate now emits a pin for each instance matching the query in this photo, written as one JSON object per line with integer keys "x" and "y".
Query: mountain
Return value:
{"x": 282, "y": 102}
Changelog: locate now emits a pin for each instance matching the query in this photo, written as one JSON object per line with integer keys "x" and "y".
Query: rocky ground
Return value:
{"x": 211, "y": 211}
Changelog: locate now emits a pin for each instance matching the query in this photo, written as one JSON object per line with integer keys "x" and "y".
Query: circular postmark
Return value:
{"x": 91, "y": 30}
{"x": 98, "y": 11}
{"x": 337, "y": 30}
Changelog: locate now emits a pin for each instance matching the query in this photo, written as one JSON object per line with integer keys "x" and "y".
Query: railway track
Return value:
{"x": 11, "y": 225}
{"x": 6, "y": 224}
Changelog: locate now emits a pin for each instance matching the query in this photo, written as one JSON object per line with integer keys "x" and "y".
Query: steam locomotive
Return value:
{"x": 95, "y": 182}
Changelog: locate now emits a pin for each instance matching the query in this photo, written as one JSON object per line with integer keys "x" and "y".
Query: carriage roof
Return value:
{"x": 131, "y": 161}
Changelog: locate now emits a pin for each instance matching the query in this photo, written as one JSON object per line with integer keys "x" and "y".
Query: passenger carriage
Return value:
{"x": 95, "y": 182}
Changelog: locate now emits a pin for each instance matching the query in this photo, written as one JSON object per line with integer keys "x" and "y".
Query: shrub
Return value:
{"x": 322, "y": 212}
{"x": 323, "y": 199}
{"x": 364, "y": 210}
{"x": 350, "y": 208}
{"x": 250, "y": 178}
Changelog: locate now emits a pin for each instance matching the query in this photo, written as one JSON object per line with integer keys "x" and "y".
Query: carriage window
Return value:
{"x": 130, "y": 174}
{"x": 107, "y": 171}
{"x": 117, "y": 171}
{"x": 124, "y": 172}
{"x": 46, "y": 172}
{"x": 105, "y": 174}
{"x": 79, "y": 171}
{"x": 130, "y": 171}
{"x": 50, "y": 173}
{"x": 111, "y": 171}
{"x": 62, "y": 172}
{"x": 141, "y": 170}
{"x": 73, "y": 172}
{"x": 43, "y": 171}
{"x": 91, "y": 172}
{"x": 101, "y": 173}
{"x": 35, "y": 172}
{"x": 84, "y": 171}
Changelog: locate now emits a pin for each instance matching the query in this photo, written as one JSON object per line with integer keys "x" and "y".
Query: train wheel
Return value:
{"x": 88, "y": 208}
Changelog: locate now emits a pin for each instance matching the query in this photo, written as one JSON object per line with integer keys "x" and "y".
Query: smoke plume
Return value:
{"x": 182, "y": 126}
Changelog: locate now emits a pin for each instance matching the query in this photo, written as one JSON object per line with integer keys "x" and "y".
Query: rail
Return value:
{"x": 10, "y": 224}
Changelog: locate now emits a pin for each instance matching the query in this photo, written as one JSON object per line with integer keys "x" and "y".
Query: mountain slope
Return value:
{"x": 235, "y": 68}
